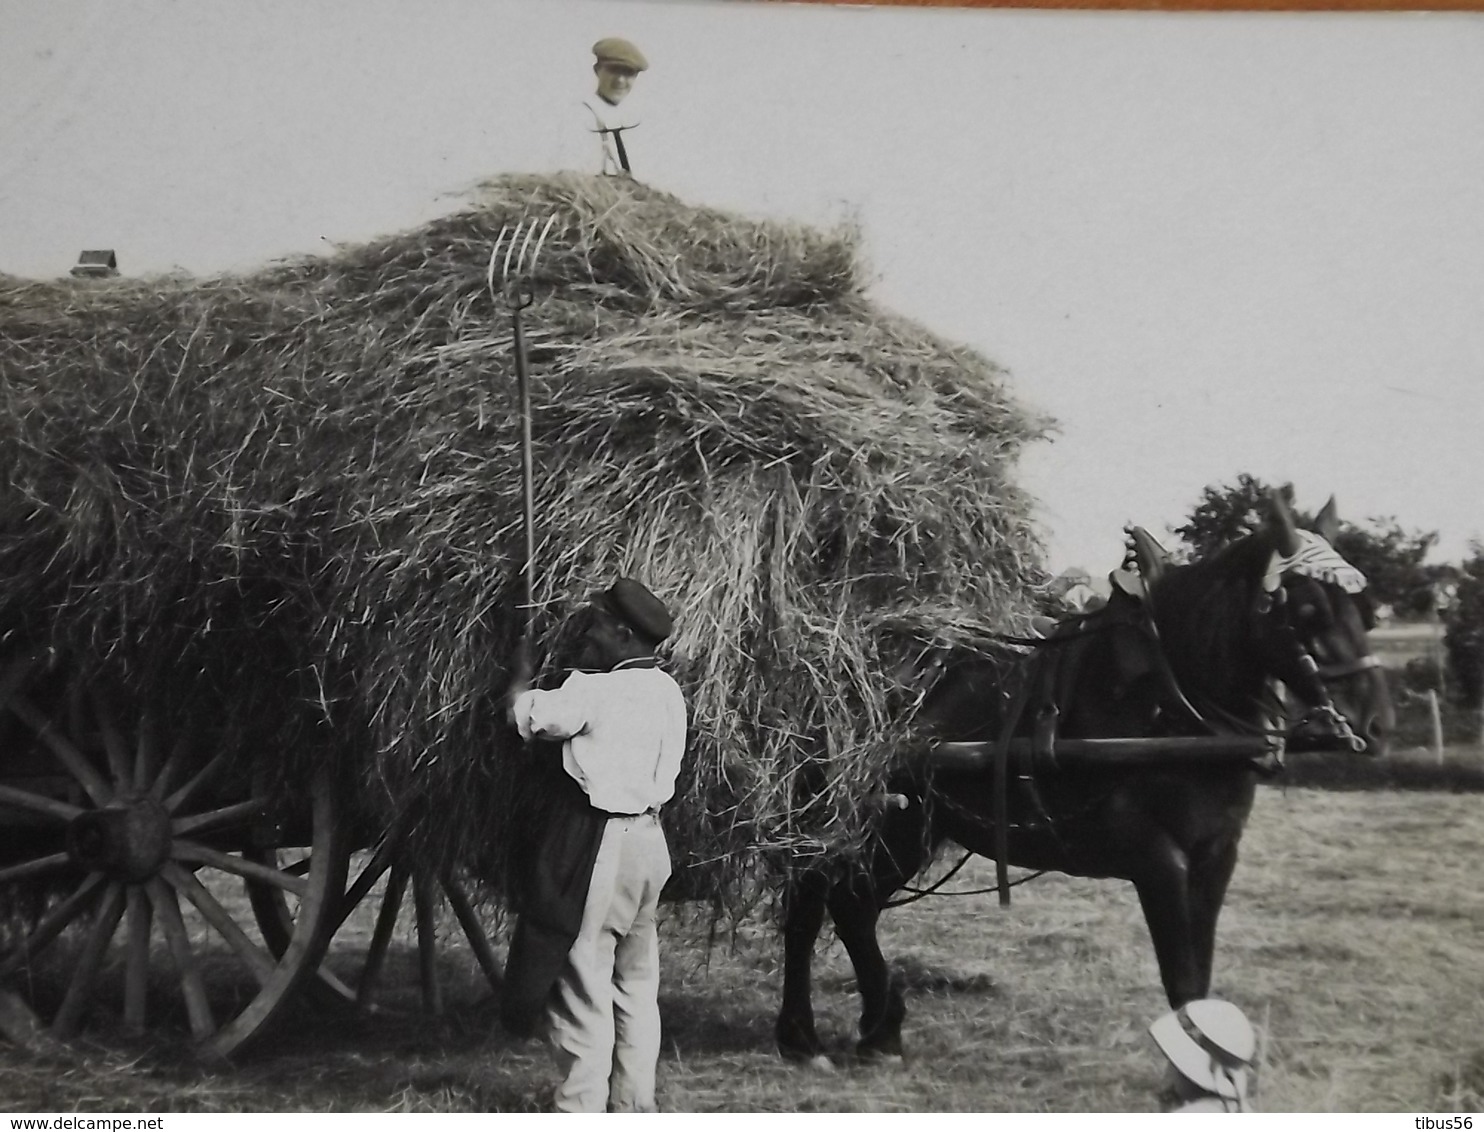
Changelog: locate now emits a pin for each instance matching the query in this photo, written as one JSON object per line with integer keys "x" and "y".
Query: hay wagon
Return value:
{"x": 260, "y": 568}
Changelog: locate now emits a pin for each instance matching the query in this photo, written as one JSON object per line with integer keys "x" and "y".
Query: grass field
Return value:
{"x": 1353, "y": 936}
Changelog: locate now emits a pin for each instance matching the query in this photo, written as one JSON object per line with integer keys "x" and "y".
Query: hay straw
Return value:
{"x": 286, "y": 506}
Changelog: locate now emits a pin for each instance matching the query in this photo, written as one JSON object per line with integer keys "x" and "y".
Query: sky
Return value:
{"x": 1206, "y": 243}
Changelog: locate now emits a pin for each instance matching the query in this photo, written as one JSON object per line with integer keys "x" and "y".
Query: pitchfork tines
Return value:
{"x": 521, "y": 246}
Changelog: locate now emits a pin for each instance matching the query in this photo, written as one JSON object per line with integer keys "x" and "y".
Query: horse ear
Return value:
{"x": 1150, "y": 557}
{"x": 1327, "y": 522}
{"x": 1282, "y": 525}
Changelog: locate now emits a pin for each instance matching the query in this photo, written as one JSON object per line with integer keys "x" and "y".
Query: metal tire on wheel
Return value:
{"x": 137, "y": 855}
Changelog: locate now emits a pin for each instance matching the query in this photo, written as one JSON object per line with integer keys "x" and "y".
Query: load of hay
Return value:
{"x": 285, "y": 507}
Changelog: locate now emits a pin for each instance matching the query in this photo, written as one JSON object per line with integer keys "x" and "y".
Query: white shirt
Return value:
{"x": 602, "y": 115}
{"x": 624, "y": 733}
{"x": 569, "y": 141}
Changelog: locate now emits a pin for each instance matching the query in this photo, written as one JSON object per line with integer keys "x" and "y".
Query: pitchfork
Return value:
{"x": 521, "y": 245}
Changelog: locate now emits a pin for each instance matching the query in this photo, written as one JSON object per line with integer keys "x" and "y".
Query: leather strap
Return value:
{"x": 1001, "y": 780}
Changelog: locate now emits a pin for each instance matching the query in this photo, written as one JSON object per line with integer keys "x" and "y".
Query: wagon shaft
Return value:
{"x": 1066, "y": 754}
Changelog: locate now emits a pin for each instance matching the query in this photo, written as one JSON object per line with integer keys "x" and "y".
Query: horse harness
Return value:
{"x": 1049, "y": 684}
{"x": 1036, "y": 708}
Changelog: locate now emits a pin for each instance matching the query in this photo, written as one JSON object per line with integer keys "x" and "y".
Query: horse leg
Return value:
{"x": 1209, "y": 878}
{"x": 856, "y": 908}
{"x": 804, "y": 900}
{"x": 1163, "y": 884}
{"x": 855, "y": 913}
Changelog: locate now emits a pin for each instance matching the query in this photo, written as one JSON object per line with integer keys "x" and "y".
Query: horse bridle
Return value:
{"x": 1321, "y": 707}
{"x": 1321, "y": 676}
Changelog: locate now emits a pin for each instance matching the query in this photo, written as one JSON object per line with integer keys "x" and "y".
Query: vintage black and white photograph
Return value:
{"x": 732, "y": 556}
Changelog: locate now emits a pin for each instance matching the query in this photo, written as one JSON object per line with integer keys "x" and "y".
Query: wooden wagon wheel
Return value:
{"x": 120, "y": 832}
{"x": 364, "y": 970}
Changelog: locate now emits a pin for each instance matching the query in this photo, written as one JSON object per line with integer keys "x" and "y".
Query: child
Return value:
{"x": 1210, "y": 1046}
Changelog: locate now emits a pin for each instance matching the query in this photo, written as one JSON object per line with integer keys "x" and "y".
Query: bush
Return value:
{"x": 1464, "y": 634}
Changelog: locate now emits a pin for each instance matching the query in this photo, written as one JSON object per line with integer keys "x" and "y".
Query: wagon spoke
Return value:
{"x": 381, "y": 936}
{"x": 80, "y": 990}
{"x": 192, "y": 988}
{"x": 167, "y": 772}
{"x": 146, "y": 751}
{"x": 423, "y": 902}
{"x": 136, "y": 960}
{"x": 380, "y": 861}
{"x": 225, "y": 815}
{"x": 113, "y": 742}
{"x": 257, "y": 959}
{"x": 51, "y": 925}
{"x": 75, "y": 762}
{"x": 182, "y": 850}
{"x": 38, "y": 803}
{"x": 34, "y": 868}
{"x": 295, "y": 868}
{"x": 463, "y": 910}
{"x": 276, "y": 920}
{"x": 203, "y": 778}
{"x": 15, "y": 675}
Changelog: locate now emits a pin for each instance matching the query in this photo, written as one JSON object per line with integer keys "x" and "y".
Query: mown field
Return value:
{"x": 1353, "y": 936}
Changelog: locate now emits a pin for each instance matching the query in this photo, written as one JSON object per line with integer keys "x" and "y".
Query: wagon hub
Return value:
{"x": 128, "y": 839}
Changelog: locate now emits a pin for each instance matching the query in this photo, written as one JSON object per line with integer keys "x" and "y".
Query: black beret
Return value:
{"x": 633, "y": 604}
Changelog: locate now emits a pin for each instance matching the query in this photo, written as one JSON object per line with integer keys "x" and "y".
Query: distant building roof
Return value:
{"x": 96, "y": 264}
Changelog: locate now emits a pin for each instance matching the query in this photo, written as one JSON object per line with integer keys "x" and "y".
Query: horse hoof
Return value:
{"x": 821, "y": 1063}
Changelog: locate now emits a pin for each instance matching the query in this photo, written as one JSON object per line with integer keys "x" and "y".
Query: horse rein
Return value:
{"x": 932, "y": 889}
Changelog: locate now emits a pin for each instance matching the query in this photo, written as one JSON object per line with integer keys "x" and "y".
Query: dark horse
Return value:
{"x": 1183, "y": 650}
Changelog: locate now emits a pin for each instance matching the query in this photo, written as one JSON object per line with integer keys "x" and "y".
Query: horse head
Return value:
{"x": 1312, "y": 613}
{"x": 1280, "y": 606}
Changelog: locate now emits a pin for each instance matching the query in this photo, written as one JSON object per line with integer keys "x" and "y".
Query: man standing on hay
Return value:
{"x": 618, "y": 65}
{"x": 603, "y": 859}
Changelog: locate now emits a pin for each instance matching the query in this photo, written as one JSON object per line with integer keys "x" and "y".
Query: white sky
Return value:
{"x": 1207, "y": 243}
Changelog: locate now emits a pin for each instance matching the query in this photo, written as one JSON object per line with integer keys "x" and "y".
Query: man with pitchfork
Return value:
{"x": 585, "y": 953}
{"x": 621, "y": 720}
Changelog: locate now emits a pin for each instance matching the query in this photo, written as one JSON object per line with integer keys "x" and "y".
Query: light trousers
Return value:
{"x": 604, "y": 1018}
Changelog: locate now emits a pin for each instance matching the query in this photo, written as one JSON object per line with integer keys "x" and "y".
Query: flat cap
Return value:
{"x": 620, "y": 51}
{"x": 633, "y": 604}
